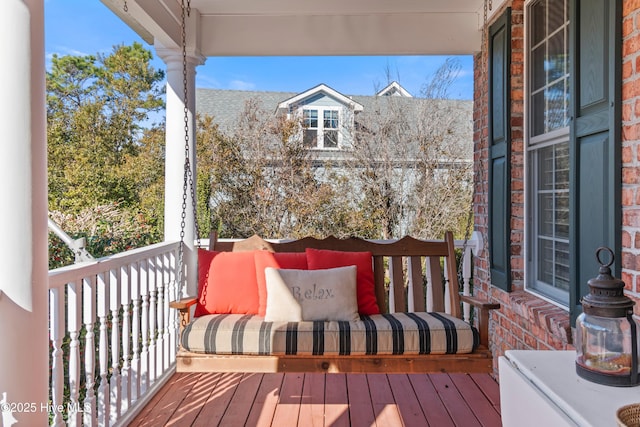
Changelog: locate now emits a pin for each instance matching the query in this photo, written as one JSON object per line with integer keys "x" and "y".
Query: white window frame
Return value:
{"x": 533, "y": 145}
{"x": 320, "y": 129}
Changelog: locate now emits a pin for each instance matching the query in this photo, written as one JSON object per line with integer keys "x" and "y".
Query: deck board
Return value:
{"x": 407, "y": 401}
{"x": 382, "y": 400}
{"x": 263, "y": 408}
{"x": 241, "y": 402}
{"x": 473, "y": 396}
{"x": 288, "y": 408}
{"x": 215, "y": 406}
{"x": 316, "y": 399}
{"x": 432, "y": 406}
{"x": 312, "y": 402}
{"x": 457, "y": 408}
{"x": 336, "y": 401}
{"x": 360, "y": 408}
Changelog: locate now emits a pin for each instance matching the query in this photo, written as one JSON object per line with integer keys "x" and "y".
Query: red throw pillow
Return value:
{"x": 229, "y": 286}
{"x": 204, "y": 264}
{"x": 286, "y": 260}
{"x": 322, "y": 258}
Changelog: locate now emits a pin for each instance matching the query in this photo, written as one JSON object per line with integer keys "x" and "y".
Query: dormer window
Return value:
{"x": 327, "y": 117}
{"x": 321, "y": 133}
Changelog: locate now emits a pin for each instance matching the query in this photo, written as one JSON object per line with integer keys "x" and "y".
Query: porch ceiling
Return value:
{"x": 295, "y": 27}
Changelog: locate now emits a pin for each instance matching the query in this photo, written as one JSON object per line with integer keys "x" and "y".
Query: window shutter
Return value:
{"x": 499, "y": 150}
{"x": 594, "y": 151}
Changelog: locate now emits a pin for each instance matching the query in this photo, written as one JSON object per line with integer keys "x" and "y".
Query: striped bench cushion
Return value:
{"x": 399, "y": 333}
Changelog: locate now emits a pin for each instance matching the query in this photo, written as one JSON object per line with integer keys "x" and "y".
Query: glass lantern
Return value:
{"x": 606, "y": 331}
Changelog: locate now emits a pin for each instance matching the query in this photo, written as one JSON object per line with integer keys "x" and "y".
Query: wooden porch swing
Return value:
{"x": 409, "y": 262}
{"x": 402, "y": 280}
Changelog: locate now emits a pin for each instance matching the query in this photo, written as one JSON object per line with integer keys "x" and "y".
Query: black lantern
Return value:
{"x": 606, "y": 331}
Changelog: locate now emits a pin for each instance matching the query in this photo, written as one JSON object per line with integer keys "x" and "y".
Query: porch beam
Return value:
{"x": 360, "y": 34}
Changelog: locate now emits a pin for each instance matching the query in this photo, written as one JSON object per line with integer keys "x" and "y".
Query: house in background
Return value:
{"x": 332, "y": 120}
{"x": 390, "y": 144}
{"x": 328, "y": 117}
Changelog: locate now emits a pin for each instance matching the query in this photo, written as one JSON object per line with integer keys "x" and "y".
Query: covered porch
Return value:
{"x": 113, "y": 343}
{"x": 107, "y": 377}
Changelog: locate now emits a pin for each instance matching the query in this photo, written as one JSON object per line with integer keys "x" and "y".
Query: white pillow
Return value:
{"x": 297, "y": 295}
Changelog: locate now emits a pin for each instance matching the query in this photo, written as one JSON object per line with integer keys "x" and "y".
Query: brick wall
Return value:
{"x": 524, "y": 320}
{"x": 631, "y": 149}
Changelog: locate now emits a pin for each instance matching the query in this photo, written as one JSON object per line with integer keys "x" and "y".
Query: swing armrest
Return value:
{"x": 482, "y": 307}
{"x": 183, "y": 303}
{"x": 183, "y": 306}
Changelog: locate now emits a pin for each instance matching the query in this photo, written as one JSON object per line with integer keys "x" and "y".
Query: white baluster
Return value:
{"x": 447, "y": 290}
{"x": 74, "y": 324}
{"x": 114, "y": 383}
{"x": 56, "y": 335}
{"x": 159, "y": 316}
{"x": 152, "y": 319}
{"x": 89, "y": 319}
{"x": 466, "y": 280}
{"x": 166, "y": 280}
{"x": 429, "y": 290}
{"x": 173, "y": 295}
{"x": 392, "y": 298}
{"x": 103, "y": 350}
{"x": 125, "y": 298}
{"x": 410, "y": 296}
{"x": 135, "y": 333}
{"x": 144, "y": 357}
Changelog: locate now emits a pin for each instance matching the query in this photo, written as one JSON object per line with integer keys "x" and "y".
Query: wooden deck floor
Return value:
{"x": 281, "y": 400}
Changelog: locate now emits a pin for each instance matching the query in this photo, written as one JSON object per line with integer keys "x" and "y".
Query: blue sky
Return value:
{"x": 84, "y": 27}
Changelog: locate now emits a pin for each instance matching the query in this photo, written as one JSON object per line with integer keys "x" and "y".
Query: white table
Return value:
{"x": 541, "y": 388}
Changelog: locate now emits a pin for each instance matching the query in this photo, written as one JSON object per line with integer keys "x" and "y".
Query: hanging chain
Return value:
{"x": 188, "y": 173}
{"x": 125, "y": 7}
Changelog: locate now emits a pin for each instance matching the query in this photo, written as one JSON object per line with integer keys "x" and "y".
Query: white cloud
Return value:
{"x": 64, "y": 51}
{"x": 206, "y": 81}
{"x": 241, "y": 85}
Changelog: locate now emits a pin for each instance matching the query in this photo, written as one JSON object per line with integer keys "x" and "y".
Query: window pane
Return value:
{"x": 545, "y": 263}
{"x": 562, "y": 166}
{"x": 538, "y": 74}
{"x": 556, "y": 101}
{"x": 537, "y": 114}
{"x": 548, "y": 65}
{"x": 545, "y": 170}
{"x": 562, "y": 215}
{"x": 538, "y": 22}
{"x": 562, "y": 266}
{"x": 551, "y": 221}
{"x": 331, "y": 138}
{"x": 546, "y": 214}
{"x": 310, "y": 118}
{"x": 310, "y": 138}
{"x": 555, "y": 15}
{"x": 555, "y": 63}
{"x": 330, "y": 119}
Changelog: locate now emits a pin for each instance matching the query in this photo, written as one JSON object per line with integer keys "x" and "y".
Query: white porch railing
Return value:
{"x": 113, "y": 336}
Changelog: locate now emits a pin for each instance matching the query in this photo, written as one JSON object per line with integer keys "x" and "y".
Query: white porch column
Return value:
{"x": 24, "y": 349}
{"x": 175, "y": 154}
